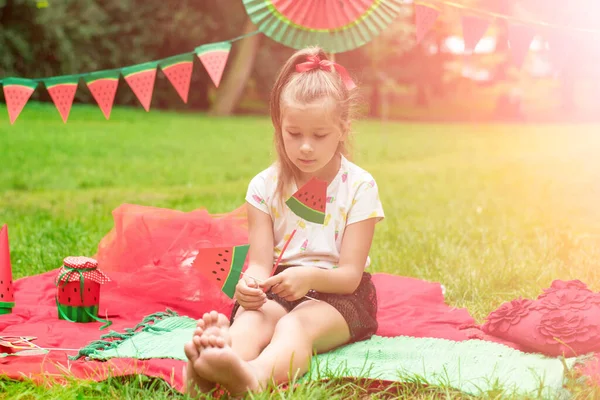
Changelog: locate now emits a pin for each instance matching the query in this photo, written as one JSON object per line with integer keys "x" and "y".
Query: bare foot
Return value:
{"x": 194, "y": 383}
{"x": 219, "y": 363}
{"x": 209, "y": 325}
{"x": 215, "y": 324}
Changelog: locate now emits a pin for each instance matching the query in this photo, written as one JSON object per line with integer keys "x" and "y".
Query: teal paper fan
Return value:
{"x": 334, "y": 25}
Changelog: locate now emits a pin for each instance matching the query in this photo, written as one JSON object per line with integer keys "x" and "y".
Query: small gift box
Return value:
{"x": 78, "y": 290}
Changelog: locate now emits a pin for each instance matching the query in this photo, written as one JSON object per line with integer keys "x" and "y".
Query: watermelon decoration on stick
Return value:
{"x": 78, "y": 290}
{"x": 222, "y": 266}
{"x": 7, "y": 298}
{"x": 214, "y": 58}
{"x": 103, "y": 86}
{"x": 178, "y": 70}
{"x": 17, "y": 92}
{"x": 141, "y": 81}
{"x": 62, "y": 91}
{"x": 310, "y": 200}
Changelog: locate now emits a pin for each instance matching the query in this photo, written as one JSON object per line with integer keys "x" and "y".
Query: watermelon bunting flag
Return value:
{"x": 309, "y": 201}
{"x": 7, "y": 298}
{"x": 222, "y": 266}
{"x": 17, "y": 92}
{"x": 141, "y": 81}
{"x": 62, "y": 91}
{"x": 425, "y": 17}
{"x": 214, "y": 58}
{"x": 473, "y": 30}
{"x": 103, "y": 86}
{"x": 178, "y": 70}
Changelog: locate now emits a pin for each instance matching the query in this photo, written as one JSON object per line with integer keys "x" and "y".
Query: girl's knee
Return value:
{"x": 268, "y": 314}
{"x": 291, "y": 325}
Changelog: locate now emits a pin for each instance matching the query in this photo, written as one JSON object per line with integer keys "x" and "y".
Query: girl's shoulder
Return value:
{"x": 355, "y": 175}
{"x": 266, "y": 180}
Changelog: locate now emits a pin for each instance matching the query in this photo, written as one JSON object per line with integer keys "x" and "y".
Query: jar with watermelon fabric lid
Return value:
{"x": 78, "y": 290}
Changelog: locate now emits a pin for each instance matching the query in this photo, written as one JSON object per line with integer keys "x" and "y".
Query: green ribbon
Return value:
{"x": 69, "y": 271}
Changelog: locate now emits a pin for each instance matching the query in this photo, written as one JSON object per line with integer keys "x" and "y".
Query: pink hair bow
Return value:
{"x": 314, "y": 62}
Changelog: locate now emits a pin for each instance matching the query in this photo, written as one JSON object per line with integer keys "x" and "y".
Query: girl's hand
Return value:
{"x": 291, "y": 284}
{"x": 249, "y": 294}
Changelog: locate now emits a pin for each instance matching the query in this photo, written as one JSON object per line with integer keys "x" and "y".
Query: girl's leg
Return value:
{"x": 250, "y": 332}
{"x": 310, "y": 326}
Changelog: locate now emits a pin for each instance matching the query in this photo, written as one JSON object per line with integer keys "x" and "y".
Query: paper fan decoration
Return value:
{"x": 309, "y": 201}
{"x": 335, "y": 26}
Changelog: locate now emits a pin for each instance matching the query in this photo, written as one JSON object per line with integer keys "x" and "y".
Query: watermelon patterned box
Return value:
{"x": 78, "y": 289}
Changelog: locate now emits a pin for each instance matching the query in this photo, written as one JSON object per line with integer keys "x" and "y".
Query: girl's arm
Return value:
{"x": 260, "y": 236}
{"x": 356, "y": 244}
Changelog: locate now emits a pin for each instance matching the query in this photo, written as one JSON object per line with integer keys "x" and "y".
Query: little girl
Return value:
{"x": 274, "y": 329}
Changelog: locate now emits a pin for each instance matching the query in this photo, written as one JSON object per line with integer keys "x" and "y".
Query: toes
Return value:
{"x": 198, "y": 332}
{"x": 207, "y": 320}
{"x": 216, "y": 341}
{"x": 205, "y": 340}
{"x": 200, "y": 324}
{"x": 222, "y": 320}
{"x": 214, "y": 316}
{"x": 191, "y": 351}
{"x": 197, "y": 340}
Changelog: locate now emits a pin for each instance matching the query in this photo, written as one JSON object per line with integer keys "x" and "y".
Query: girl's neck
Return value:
{"x": 327, "y": 173}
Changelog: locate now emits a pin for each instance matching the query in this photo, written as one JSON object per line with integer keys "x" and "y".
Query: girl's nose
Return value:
{"x": 306, "y": 147}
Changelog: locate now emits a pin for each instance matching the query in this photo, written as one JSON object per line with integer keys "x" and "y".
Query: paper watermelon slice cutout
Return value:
{"x": 425, "y": 17}
{"x": 62, "y": 91}
{"x": 141, "y": 81}
{"x": 178, "y": 70}
{"x": 222, "y": 266}
{"x": 214, "y": 58}
{"x": 103, "y": 86}
{"x": 7, "y": 298}
{"x": 310, "y": 200}
{"x": 17, "y": 92}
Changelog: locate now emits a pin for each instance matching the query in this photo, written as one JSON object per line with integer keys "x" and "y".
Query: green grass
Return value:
{"x": 492, "y": 212}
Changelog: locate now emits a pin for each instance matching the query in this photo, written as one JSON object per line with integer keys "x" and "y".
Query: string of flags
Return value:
{"x": 475, "y": 23}
{"x": 214, "y": 56}
{"x": 103, "y": 84}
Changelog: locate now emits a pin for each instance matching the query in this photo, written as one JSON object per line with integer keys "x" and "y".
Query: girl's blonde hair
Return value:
{"x": 302, "y": 88}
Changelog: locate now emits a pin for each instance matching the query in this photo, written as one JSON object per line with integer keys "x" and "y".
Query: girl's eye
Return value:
{"x": 293, "y": 133}
{"x": 320, "y": 136}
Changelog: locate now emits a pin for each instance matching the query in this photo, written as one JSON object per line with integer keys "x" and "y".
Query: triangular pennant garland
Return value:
{"x": 519, "y": 40}
{"x": 425, "y": 17}
{"x": 62, "y": 91}
{"x": 7, "y": 298}
{"x": 214, "y": 58}
{"x": 103, "y": 86}
{"x": 178, "y": 70}
{"x": 473, "y": 30}
{"x": 17, "y": 92}
{"x": 141, "y": 80}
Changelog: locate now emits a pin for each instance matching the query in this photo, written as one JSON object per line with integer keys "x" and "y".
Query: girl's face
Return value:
{"x": 311, "y": 134}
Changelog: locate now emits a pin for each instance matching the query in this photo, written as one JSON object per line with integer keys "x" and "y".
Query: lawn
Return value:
{"x": 492, "y": 211}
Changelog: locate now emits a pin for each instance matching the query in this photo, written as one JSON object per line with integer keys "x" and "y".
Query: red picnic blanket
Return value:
{"x": 406, "y": 307}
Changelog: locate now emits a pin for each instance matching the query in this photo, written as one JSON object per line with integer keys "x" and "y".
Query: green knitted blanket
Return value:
{"x": 472, "y": 366}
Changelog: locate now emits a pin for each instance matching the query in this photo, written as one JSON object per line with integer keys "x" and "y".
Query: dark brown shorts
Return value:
{"x": 359, "y": 309}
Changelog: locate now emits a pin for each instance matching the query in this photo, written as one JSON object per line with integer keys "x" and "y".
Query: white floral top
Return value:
{"x": 352, "y": 196}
